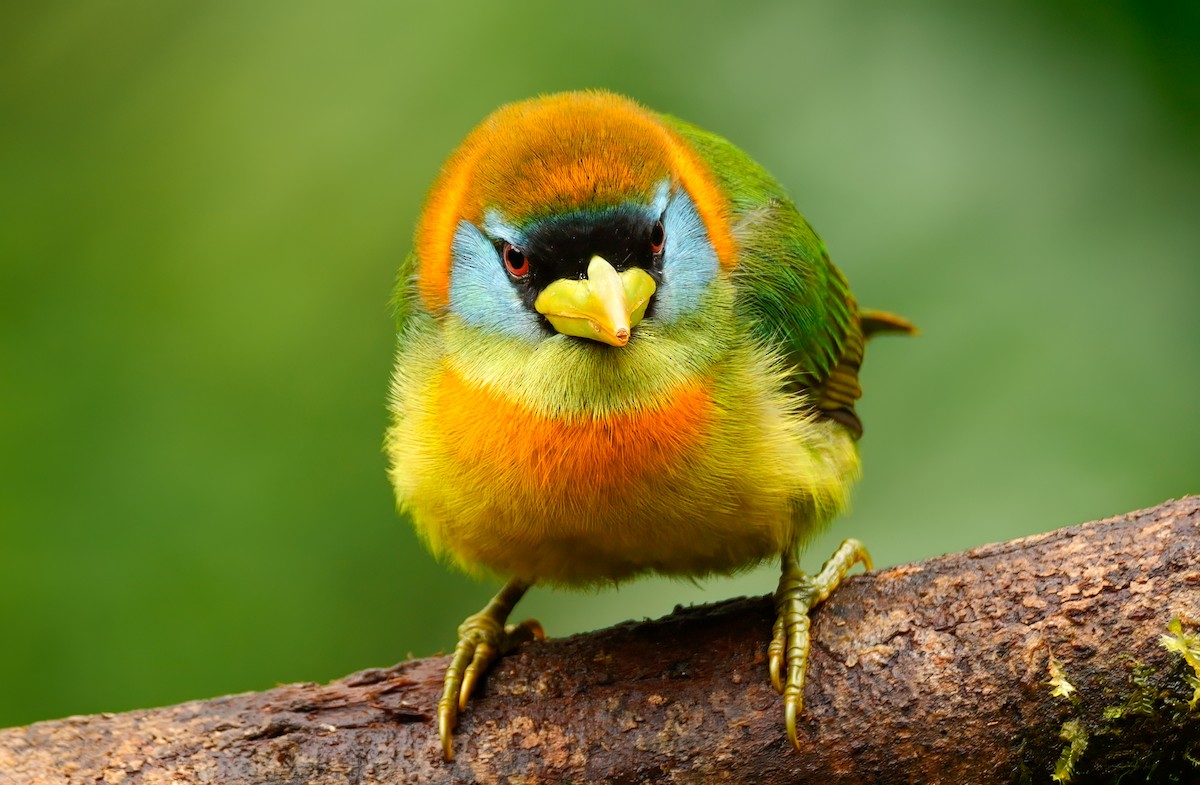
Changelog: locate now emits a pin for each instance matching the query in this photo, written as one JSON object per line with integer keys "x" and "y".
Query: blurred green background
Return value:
{"x": 202, "y": 206}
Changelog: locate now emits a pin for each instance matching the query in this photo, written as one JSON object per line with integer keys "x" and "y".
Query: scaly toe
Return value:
{"x": 481, "y": 641}
{"x": 775, "y": 655}
{"x": 788, "y": 652}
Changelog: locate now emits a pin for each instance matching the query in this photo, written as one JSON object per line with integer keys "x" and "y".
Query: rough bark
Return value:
{"x": 931, "y": 672}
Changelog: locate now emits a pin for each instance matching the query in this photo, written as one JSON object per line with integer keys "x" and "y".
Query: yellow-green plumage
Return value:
{"x": 714, "y": 432}
{"x": 749, "y": 465}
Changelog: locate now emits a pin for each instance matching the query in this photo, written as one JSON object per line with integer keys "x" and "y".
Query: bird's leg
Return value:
{"x": 482, "y": 638}
{"x": 795, "y": 598}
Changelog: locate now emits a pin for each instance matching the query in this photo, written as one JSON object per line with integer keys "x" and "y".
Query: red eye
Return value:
{"x": 658, "y": 237}
{"x": 515, "y": 261}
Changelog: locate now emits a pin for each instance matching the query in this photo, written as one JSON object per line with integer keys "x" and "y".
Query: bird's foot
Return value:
{"x": 797, "y": 595}
{"x": 482, "y": 639}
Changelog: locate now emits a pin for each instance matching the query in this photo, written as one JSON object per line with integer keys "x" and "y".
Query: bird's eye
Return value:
{"x": 515, "y": 261}
{"x": 658, "y": 237}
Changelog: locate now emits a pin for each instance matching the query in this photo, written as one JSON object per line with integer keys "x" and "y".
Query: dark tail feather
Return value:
{"x": 881, "y": 322}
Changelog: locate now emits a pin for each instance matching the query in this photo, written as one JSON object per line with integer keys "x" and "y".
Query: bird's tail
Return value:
{"x": 882, "y": 322}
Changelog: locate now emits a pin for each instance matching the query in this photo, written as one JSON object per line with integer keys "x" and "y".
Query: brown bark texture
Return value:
{"x": 1007, "y": 663}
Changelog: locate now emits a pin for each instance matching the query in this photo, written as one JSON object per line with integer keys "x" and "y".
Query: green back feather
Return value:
{"x": 793, "y": 296}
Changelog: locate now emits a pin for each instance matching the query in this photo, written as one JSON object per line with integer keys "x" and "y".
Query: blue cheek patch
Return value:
{"x": 482, "y": 295}
{"x": 480, "y": 292}
{"x": 689, "y": 260}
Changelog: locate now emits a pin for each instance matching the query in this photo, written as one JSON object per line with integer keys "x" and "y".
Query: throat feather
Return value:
{"x": 582, "y": 455}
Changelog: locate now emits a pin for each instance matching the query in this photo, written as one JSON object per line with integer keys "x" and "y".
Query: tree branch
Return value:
{"x": 940, "y": 671}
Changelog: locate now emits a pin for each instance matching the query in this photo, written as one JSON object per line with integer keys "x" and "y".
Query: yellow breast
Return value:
{"x": 700, "y": 480}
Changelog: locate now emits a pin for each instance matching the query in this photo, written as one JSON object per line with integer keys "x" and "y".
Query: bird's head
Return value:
{"x": 580, "y": 214}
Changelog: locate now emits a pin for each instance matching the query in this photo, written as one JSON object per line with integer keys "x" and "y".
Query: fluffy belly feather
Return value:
{"x": 712, "y": 477}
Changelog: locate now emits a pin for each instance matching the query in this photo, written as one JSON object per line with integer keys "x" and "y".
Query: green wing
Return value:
{"x": 793, "y": 296}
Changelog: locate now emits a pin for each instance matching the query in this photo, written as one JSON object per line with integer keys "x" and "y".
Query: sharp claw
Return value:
{"x": 447, "y": 715}
{"x": 775, "y": 665}
{"x": 789, "y": 718}
{"x": 484, "y": 655}
{"x": 464, "y": 691}
{"x": 775, "y": 655}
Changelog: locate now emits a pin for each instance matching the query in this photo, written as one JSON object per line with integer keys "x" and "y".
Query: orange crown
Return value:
{"x": 555, "y": 154}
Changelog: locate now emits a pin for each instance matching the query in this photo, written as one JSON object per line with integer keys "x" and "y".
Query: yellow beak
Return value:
{"x": 604, "y": 307}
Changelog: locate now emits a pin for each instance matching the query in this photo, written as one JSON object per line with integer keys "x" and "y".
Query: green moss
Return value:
{"x": 1157, "y": 701}
{"x": 1187, "y": 646}
{"x": 1140, "y": 701}
{"x": 1076, "y": 737}
{"x": 1062, "y": 688}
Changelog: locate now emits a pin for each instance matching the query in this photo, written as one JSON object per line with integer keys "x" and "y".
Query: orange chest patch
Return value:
{"x": 573, "y": 454}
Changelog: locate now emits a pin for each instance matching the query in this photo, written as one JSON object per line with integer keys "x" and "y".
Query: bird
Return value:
{"x": 621, "y": 351}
